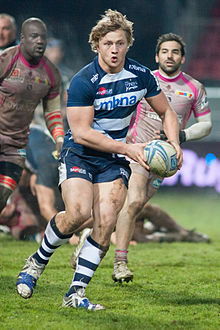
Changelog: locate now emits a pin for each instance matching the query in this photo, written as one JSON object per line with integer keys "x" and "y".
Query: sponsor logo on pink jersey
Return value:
{"x": 15, "y": 73}
{"x": 184, "y": 94}
{"x": 42, "y": 81}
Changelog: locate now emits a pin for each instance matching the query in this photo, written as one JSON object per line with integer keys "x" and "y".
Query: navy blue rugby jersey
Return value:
{"x": 114, "y": 97}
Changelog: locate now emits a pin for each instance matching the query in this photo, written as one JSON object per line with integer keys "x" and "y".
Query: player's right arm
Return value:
{"x": 80, "y": 120}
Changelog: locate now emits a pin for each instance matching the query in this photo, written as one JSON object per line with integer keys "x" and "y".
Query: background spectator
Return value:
{"x": 8, "y": 31}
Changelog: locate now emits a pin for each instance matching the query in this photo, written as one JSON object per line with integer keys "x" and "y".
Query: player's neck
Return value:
{"x": 164, "y": 75}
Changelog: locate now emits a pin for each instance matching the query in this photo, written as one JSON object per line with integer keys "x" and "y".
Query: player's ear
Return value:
{"x": 96, "y": 48}
{"x": 183, "y": 60}
{"x": 156, "y": 58}
{"x": 21, "y": 37}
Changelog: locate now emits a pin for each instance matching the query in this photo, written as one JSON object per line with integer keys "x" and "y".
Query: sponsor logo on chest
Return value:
{"x": 117, "y": 101}
{"x": 15, "y": 75}
{"x": 41, "y": 81}
{"x": 104, "y": 91}
{"x": 184, "y": 94}
{"x": 131, "y": 85}
{"x": 137, "y": 68}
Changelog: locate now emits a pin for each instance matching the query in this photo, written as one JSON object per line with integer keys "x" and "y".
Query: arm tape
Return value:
{"x": 53, "y": 117}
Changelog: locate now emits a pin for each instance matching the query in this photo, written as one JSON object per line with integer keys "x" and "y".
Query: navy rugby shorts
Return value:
{"x": 92, "y": 168}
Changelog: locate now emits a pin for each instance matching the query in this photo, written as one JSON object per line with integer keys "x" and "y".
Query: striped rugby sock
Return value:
{"x": 89, "y": 258}
{"x": 51, "y": 241}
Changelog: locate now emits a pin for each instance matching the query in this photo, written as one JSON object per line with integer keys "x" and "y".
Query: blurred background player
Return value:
{"x": 37, "y": 197}
{"x": 152, "y": 225}
{"x": 41, "y": 160}
{"x": 8, "y": 31}
{"x": 185, "y": 95}
{"x": 26, "y": 78}
{"x": 55, "y": 53}
{"x": 21, "y": 216}
{"x": 155, "y": 225}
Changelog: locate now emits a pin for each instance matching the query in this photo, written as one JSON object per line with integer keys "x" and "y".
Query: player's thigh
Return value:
{"x": 77, "y": 194}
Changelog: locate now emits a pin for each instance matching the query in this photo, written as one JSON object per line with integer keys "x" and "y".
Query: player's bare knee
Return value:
{"x": 75, "y": 218}
{"x": 135, "y": 207}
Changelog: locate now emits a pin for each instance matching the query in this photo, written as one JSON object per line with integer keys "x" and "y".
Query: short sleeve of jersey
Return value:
{"x": 201, "y": 105}
{"x": 80, "y": 93}
{"x": 55, "y": 80}
{"x": 6, "y": 59}
{"x": 153, "y": 85}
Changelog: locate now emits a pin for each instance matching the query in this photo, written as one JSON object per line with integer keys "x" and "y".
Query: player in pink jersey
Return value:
{"x": 26, "y": 78}
{"x": 185, "y": 95}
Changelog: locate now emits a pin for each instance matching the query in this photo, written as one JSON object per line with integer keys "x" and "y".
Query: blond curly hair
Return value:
{"x": 112, "y": 20}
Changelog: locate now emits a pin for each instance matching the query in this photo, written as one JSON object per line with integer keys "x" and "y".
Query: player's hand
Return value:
{"x": 136, "y": 152}
{"x": 59, "y": 144}
{"x": 179, "y": 153}
{"x": 162, "y": 136}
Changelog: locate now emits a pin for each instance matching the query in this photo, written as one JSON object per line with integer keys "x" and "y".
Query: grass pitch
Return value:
{"x": 176, "y": 285}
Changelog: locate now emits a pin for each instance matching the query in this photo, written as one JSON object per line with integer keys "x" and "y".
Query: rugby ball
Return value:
{"x": 161, "y": 158}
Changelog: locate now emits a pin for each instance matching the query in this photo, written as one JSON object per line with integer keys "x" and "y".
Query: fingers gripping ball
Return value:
{"x": 161, "y": 158}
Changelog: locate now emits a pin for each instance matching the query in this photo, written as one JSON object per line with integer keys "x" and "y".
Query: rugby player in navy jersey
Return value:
{"x": 94, "y": 171}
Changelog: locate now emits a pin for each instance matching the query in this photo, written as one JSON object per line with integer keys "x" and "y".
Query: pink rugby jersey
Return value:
{"x": 185, "y": 95}
{"x": 22, "y": 86}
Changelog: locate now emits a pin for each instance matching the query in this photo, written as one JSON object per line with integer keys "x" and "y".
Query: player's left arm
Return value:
{"x": 169, "y": 119}
{"x": 54, "y": 121}
{"x": 200, "y": 129}
{"x": 202, "y": 115}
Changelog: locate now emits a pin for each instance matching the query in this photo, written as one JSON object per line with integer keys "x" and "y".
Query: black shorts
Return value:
{"x": 94, "y": 169}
